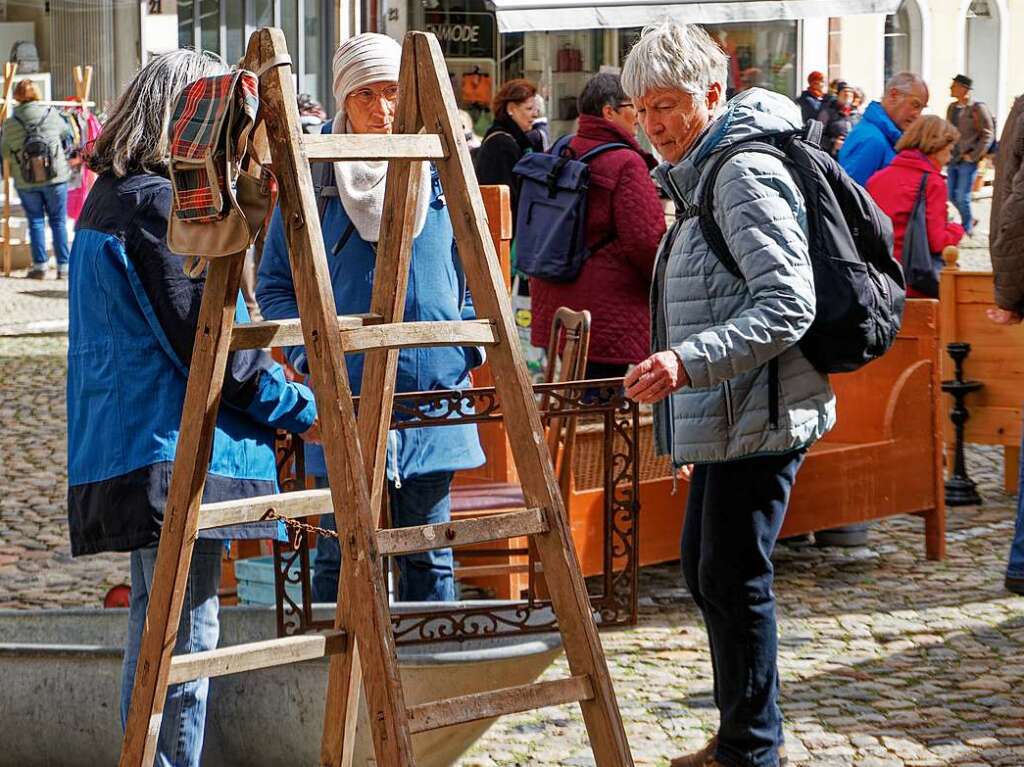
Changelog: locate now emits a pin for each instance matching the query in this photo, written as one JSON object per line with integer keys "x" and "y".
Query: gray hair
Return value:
{"x": 135, "y": 137}
{"x": 904, "y": 82}
{"x": 601, "y": 90}
{"x": 677, "y": 56}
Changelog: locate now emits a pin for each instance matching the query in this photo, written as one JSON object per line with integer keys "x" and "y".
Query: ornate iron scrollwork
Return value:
{"x": 613, "y": 593}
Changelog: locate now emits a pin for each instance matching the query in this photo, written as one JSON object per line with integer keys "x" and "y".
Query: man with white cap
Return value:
{"x": 421, "y": 462}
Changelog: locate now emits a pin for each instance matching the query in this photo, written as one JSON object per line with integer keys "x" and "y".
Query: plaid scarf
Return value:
{"x": 203, "y": 114}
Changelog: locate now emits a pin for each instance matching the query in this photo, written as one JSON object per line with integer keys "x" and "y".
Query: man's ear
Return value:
{"x": 607, "y": 111}
{"x": 714, "y": 97}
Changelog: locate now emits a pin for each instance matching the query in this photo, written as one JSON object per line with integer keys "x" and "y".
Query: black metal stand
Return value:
{"x": 961, "y": 490}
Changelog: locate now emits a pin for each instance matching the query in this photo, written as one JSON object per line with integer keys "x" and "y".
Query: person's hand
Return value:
{"x": 312, "y": 434}
{"x": 1003, "y": 316}
{"x": 686, "y": 471}
{"x": 655, "y": 378}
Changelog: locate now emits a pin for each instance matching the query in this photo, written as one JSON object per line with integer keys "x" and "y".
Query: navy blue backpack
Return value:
{"x": 552, "y": 212}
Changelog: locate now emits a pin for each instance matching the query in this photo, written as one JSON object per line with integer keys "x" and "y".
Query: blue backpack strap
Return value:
{"x": 561, "y": 143}
{"x": 602, "y": 149}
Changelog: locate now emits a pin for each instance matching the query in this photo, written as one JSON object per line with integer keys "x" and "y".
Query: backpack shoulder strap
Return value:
{"x": 588, "y": 156}
{"x": 705, "y": 210}
{"x": 326, "y": 187}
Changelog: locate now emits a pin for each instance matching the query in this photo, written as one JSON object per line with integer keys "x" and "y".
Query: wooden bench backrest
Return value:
{"x": 862, "y": 396}
{"x": 996, "y": 358}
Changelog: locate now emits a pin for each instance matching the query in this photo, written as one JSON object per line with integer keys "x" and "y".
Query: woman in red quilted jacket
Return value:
{"x": 924, "y": 148}
{"x": 625, "y": 224}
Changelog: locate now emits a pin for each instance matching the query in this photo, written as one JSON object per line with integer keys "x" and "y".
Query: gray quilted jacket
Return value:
{"x": 728, "y": 330}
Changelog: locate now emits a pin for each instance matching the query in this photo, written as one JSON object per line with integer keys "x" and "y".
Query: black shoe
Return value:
{"x": 1016, "y": 585}
{"x": 36, "y": 274}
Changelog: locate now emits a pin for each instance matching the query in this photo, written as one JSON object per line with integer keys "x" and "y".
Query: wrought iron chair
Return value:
{"x": 568, "y": 347}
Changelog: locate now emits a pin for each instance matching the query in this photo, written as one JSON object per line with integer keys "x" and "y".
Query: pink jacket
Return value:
{"x": 615, "y": 282}
{"x": 895, "y": 188}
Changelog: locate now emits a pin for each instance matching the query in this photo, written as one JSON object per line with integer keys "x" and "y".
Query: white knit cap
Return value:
{"x": 364, "y": 59}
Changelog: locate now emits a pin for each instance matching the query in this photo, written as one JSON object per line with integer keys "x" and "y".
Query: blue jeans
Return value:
{"x": 425, "y": 577}
{"x": 51, "y": 201}
{"x": 181, "y": 731}
{"x": 1015, "y": 568}
{"x": 733, "y": 516}
{"x": 960, "y": 176}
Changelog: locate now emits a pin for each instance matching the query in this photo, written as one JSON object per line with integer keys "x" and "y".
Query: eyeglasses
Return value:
{"x": 369, "y": 96}
{"x": 625, "y": 105}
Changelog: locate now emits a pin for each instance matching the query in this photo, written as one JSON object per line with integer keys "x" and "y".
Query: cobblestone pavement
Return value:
{"x": 887, "y": 659}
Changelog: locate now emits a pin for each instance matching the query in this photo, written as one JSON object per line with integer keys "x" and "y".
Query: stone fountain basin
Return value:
{"x": 60, "y": 679}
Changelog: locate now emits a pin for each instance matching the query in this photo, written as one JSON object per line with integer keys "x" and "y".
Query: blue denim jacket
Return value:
{"x": 133, "y": 315}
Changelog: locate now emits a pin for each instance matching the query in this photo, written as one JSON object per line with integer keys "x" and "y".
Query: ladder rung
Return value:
{"x": 487, "y": 571}
{"x": 333, "y": 147}
{"x": 510, "y": 700}
{"x": 304, "y": 503}
{"x": 254, "y": 655}
{"x": 407, "y": 335}
{"x": 262, "y": 335}
{"x": 496, "y": 527}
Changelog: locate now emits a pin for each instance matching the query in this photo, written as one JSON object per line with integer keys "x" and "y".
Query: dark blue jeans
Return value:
{"x": 47, "y": 202}
{"x": 733, "y": 516}
{"x": 425, "y": 577}
{"x": 960, "y": 176}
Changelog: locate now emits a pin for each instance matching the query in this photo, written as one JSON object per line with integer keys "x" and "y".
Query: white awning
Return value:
{"x": 552, "y": 15}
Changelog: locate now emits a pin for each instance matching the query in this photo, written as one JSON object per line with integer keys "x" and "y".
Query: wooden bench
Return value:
{"x": 883, "y": 458}
{"x": 996, "y": 359}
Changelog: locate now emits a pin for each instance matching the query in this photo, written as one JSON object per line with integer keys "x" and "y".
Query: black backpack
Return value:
{"x": 37, "y": 155}
{"x": 26, "y": 56}
{"x": 859, "y": 286}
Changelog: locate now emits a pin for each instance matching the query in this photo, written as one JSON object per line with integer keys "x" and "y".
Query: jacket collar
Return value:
{"x": 914, "y": 159}
{"x": 508, "y": 125}
{"x": 598, "y": 129}
{"x": 877, "y": 116}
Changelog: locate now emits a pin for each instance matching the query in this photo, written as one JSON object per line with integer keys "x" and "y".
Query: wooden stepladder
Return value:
{"x": 361, "y": 645}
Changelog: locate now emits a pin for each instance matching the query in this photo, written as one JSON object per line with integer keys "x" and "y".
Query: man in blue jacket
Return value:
{"x": 872, "y": 144}
{"x": 421, "y": 462}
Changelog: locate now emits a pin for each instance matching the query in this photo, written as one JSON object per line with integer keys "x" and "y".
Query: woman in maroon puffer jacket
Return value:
{"x": 623, "y": 210}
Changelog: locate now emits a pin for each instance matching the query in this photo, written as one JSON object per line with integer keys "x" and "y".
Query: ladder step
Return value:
{"x": 304, "y": 503}
{"x": 487, "y": 571}
{"x": 510, "y": 700}
{"x": 496, "y": 527}
{"x": 255, "y": 655}
{"x": 408, "y": 335}
{"x": 331, "y": 147}
{"x": 263, "y": 335}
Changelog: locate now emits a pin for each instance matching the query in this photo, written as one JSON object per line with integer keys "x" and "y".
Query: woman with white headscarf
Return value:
{"x": 421, "y": 462}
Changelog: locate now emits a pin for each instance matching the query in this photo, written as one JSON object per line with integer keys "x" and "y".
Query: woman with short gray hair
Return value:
{"x": 737, "y": 404}
{"x": 133, "y": 314}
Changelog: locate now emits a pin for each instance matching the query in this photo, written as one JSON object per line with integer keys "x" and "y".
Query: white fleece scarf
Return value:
{"x": 361, "y": 190}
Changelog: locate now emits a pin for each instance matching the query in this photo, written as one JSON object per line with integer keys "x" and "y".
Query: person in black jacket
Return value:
{"x": 811, "y": 99}
{"x": 131, "y": 330}
{"x": 836, "y": 115}
{"x": 506, "y": 140}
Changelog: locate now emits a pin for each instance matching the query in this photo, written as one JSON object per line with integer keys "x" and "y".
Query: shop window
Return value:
{"x": 234, "y": 31}
{"x": 897, "y": 42}
{"x": 313, "y": 55}
{"x": 209, "y": 25}
{"x": 761, "y": 54}
{"x": 186, "y": 24}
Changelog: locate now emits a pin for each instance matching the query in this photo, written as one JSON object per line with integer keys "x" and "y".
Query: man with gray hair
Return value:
{"x": 872, "y": 144}
{"x": 736, "y": 402}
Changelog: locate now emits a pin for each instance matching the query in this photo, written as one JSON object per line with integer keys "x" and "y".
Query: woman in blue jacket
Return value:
{"x": 133, "y": 315}
{"x": 421, "y": 462}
